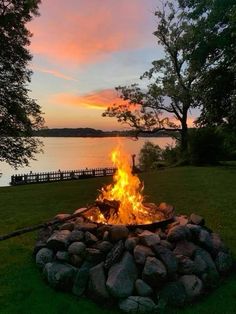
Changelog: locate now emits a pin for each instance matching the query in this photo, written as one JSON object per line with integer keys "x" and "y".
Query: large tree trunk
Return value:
{"x": 184, "y": 134}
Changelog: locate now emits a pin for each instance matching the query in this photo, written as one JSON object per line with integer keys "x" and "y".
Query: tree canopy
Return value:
{"x": 19, "y": 114}
{"x": 197, "y": 70}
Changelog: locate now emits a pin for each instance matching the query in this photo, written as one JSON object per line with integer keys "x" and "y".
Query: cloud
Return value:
{"x": 54, "y": 73}
{"x": 100, "y": 99}
{"x": 82, "y": 31}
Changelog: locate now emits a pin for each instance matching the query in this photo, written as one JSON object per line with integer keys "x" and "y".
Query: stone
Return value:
{"x": 77, "y": 248}
{"x": 130, "y": 243}
{"x": 161, "y": 233}
{"x": 149, "y": 238}
{"x": 211, "y": 275}
{"x": 141, "y": 252}
{"x": 82, "y": 278}
{"x": 168, "y": 258}
{"x": 67, "y": 226}
{"x": 166, "y": 209}
{"x": 137, "y": 305}
{"x": 62, "y": 216}
{"x": 43, "y": 257}
{"x": 154, "y": 272}
{"x": 167, "y": 244}
{"x": 62, "y": 256}
{"x": 76, "y": 236}
{"x": 118, "y": 232}
{"x": 197, "y": 220}
{"x": 178, "y": 233}
{"x": 94, "y": 255}
{"x": 90, "y": 238}
{"x": 195, "y": 230}
{"x": 218, "y": 244}
{"x": 185, "y": 248}
{"x": 193, "y": 286}
{"x": 173, "y": 294}
{"x": 105, "y": 235}
{"x": 224, "y": 262}
{"x": 86, "y": 226}
{"x": 76, "y": 260}
{"x": 104, "y": 246}
{"x": 200, "y": 265}
{"x": 60, "y": 276}
{"x": 114, "y": 255}
{"x": 185, "y": 265}
{"x": 142, "y": 288}
{"x": 38, "y": 246}
{"x": 205, "y": 240}
{"x": 58, "y": 241}
{"x": 97, "y": 284}
{"x": 182, "y": 220}
{"x": 122, "y": 276}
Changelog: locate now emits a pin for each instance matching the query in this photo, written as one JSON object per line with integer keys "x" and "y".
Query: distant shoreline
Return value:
{"x": 89, "y": 132}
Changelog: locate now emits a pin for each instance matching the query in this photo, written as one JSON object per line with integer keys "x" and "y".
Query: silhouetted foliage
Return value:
{"x": 213, "y": 29}
{"x": 149, "y": 156}
{"x": 19, "y": 114}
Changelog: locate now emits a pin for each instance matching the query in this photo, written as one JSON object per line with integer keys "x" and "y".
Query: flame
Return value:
{"x": 127, "y": 190}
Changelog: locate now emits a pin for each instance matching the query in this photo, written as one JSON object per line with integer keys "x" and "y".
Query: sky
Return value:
{"x": 82, "y": 50}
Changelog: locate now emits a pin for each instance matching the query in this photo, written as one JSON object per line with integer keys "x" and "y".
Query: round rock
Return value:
{"x": 193, "y": 285}
{"x": 118, "y": 232}
{"x": 43, "y": 257}
{"x": 137, "y": 305}
{"x": 142, "y": 288}
{"x": 77, "y": 248}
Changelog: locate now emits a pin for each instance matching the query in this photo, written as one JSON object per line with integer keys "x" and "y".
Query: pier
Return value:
{"x": 44, "y": 177}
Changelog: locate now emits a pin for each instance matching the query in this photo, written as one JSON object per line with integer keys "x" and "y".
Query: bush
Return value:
{"x": 170, "y": 154}
{"x": 205, "y": 146}
{"x": 149, "y": 156}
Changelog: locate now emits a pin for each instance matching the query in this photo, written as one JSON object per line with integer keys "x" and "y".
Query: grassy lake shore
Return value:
{"x": 208, "y": 191}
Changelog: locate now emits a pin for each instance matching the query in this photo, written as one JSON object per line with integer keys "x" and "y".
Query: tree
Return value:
{"x": 172, "y": 80}
{"x": 149, "y": 155}
{"x": 213, "y": 28}
{"x": 19, "y": 114}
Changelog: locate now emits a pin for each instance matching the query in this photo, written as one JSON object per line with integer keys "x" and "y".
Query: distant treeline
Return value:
{"x": 89, "y": 132}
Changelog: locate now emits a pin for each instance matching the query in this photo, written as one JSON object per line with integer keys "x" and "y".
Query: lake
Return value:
{"x": 71, "y": 153}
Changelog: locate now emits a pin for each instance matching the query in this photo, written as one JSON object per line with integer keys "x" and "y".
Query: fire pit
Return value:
{"x": 124, "y": 251}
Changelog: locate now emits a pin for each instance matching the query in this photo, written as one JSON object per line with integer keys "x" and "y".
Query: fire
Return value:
{"x": 127, "y": 192}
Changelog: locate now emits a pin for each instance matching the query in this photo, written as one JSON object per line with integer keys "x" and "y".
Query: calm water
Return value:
{"x": 67, "y": 153}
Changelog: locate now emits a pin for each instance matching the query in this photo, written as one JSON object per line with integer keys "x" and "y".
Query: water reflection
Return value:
{"x": 66, "y": 153}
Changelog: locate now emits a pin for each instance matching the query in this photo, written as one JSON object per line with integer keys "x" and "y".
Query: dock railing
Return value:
{"x": 43, "y": 177}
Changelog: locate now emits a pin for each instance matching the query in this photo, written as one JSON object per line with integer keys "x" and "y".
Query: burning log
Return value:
{"x": 108, "y": 208}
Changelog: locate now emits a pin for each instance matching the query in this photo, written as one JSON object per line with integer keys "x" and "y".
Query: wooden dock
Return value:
{"x": 43, "y": 177}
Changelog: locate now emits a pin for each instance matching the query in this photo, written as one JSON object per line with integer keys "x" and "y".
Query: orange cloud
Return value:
{"x": 84, "y": 31}
{"x": 100, "y": 99}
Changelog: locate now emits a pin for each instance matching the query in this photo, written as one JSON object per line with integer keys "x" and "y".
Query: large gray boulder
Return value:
{"x": 43, "y": 257}
{"x": 81, "y": 279}
{"x": 142, "y": 288}
{"x": 77, "y": 248}
{"x": 168, "y": 258}
{"x": 178, "y": 233}
{"x": 137, "y": 305}
{"x": 173, "y": 293}
{"x": 58, "y": 241}
{"x": 149, "y": 238}
{"x": 60, "y": 276}
{"x": 76, "y": 236}
{"x": 154, "y": 272}
{"x": 97, "y": 283}
{"x": 185, "y": 248}
{"x": 193, "y": 286}
{"x": 141, "y": 252}
{"x": 122, "y": 276}
{"x": 224, "y": 262}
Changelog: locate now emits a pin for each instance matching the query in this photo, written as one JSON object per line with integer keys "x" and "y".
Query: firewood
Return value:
{"x": 42, "y": 225}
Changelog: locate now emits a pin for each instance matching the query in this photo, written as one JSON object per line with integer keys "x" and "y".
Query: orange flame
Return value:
{"x": 127, "y": 190}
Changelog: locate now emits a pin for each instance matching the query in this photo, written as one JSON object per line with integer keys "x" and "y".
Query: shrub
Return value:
{"x": 149, "y": 156}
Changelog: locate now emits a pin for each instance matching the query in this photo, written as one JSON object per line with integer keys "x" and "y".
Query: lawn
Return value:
{"x": 210, "y": 192}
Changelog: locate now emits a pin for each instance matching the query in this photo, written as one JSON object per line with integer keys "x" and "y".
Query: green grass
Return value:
{"x": 210, "y": 192}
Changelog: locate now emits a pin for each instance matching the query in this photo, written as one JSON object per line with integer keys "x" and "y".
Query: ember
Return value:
{"x": 122, "y": 201}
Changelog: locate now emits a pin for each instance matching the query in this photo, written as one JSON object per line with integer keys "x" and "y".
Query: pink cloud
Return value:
{"x": 54, "y": 73}
{"x": 82, "y": 31}
{"x": 100, "y": 99}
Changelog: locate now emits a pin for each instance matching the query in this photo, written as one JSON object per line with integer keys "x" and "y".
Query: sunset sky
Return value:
{"x": 83, "y": 49}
